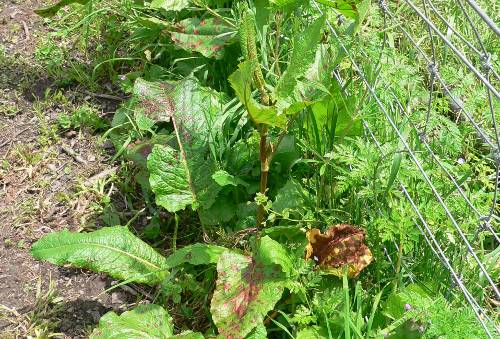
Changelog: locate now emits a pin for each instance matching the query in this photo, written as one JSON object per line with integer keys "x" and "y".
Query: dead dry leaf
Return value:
{"x": 340, "y": 245}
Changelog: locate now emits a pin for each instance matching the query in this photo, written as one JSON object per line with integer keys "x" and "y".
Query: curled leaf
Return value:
{"x": 340, "y": 245}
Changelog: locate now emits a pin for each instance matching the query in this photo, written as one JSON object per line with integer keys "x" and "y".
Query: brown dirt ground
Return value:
{"x": 41, "y": 191}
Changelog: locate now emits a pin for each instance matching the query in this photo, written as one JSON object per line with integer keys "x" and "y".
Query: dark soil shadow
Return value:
{"x": 80, "y": 316}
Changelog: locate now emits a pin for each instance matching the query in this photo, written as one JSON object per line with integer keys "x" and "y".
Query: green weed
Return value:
{"x": 240, "y": 146}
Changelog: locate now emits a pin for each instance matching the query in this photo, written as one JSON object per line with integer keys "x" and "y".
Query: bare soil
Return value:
{"x": 43, "y": 188}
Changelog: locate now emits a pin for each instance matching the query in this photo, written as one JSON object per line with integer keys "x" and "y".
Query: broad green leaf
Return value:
{"x": 181, "y": 176}
{"x": 262, "y": 12}
{"x": 271, "y": 252}
{"x": 188, "y": 335}
{"x": 179, "y": 181}
{"x": 258, "y": 332}
{"x": 286, "y": 3}
{"x": 139, "y": 150}
{"x": 305, "y": 45}
{"x": 143, "y": 122}
{"x": 207, "y": 36}
{"x": 363, "y": 8}
{"x": 144, "y": 321}
{"x": 50, "y": 11}
{"x": 396, "y": 164}
{"x": 154, "y": 23}
{"x": 241, "y": 81}
{"x": 291, "y": 196}
{"x": 287, "y": 154}
{"x": 333, "y": 118}
{"x": 196, "y": 254}
{"x": 223, "y": 179}
{"x": 168, "y": 179}
{"x": 221, "y": 211}
{"x": 246, "y": 290}
{"x": 348, "y": 8}
{"x": 309, "y": 333}
{"x": 112, "y": 250}
{"x": 170, "y": 5}
{"x": 317, "y": 80}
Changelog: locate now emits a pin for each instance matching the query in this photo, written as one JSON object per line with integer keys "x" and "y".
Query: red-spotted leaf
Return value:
{"x": 207, "y": 36}
{"x": 248, "y": 288}
{"x": 340, "y": 245}
{"x": 181, "y": 174}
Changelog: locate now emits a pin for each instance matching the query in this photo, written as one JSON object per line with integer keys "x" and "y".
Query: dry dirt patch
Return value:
{"x": 43, "y": 178}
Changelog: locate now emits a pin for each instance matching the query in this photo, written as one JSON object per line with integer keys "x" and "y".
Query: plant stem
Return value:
{"x": 397, "y": 281}
{"x": 176, "y": 228}
{"x": 277, "y": 45}
{"x": 347, "y": 307}
{"x": 267, "y": 151}
{"x": 265, "y": 159}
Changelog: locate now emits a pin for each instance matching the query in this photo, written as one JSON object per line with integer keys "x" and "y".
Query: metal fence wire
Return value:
{"x": 463, "y": 46}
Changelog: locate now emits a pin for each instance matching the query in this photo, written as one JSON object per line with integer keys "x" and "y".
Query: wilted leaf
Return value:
{"x": 248, "y": 287}
{"x": 207, "y": 36}
{"x": 340, "y": 245}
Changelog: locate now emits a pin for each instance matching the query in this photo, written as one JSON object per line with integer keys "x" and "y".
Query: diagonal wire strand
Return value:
{"x": 484, "y": 16}
{"x": 469, "y": 44}
{"x": 482, "y": 135}
{"x": 454, "y": 49}
{"x": 415, "y": 160}
{"x": 431, "y": 239}
{"x": 438, "y": 251}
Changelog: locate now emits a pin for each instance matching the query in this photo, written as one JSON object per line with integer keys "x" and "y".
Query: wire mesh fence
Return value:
{"x": 436, "y": 42}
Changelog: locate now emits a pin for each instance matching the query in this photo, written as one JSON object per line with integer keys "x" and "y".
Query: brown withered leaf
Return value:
{"x": 340, "y": 245}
